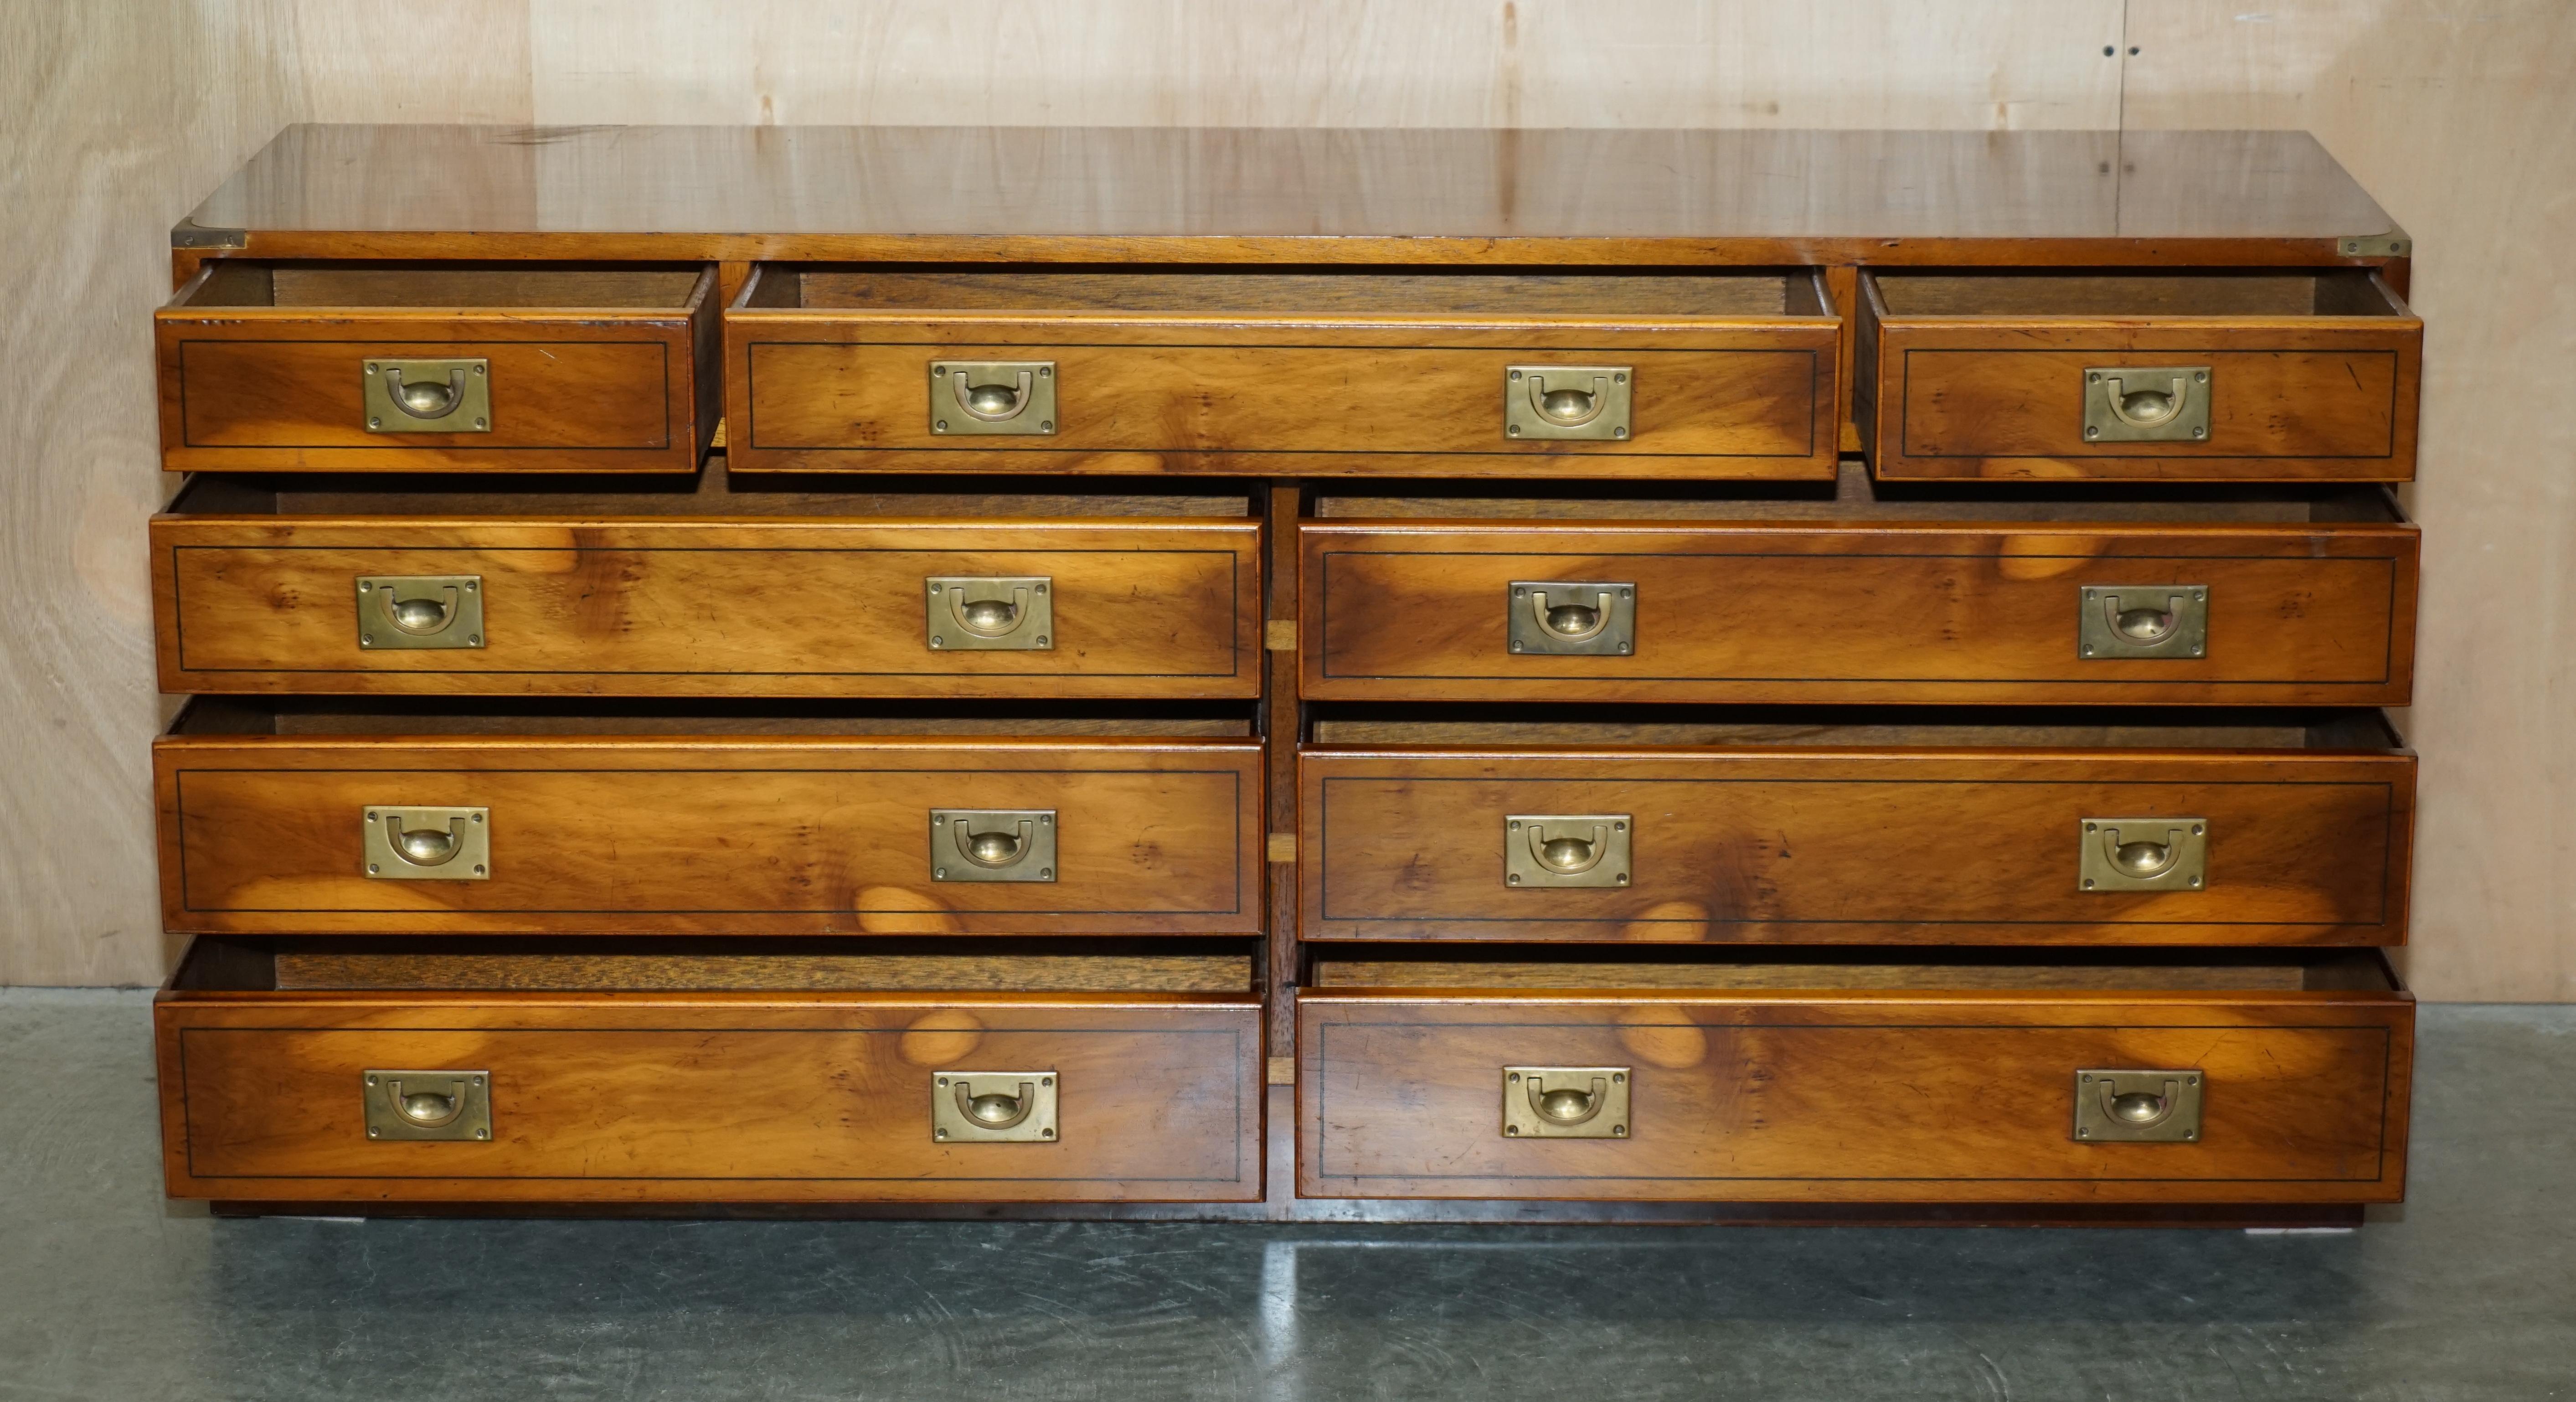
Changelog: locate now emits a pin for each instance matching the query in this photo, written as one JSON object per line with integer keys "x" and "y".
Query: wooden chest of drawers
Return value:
{"x": 1334, "y": 692}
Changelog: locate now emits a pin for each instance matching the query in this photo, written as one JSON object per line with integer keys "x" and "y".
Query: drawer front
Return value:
{"x": 284, "y": 389}
{"x": 270, "y": 835}
{"x": 2294, "y": 398}
{"x": 2296, "y": 614}
{"x": 838, "y": 392}
{"x": 711, "y": 608}
{"x": 1876, "y": 1097}
{"x": 1961, "y": 846}
{"x": 666, "y": 1098}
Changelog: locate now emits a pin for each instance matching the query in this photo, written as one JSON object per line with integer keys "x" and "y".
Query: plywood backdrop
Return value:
{"x": 2460, "y": 117}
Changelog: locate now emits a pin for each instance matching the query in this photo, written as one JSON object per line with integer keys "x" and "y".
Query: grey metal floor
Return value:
{"x": 108, "y": 1292}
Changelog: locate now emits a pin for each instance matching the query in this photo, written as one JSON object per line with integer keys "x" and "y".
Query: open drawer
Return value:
{"x": 638, "y": 1071}
{"x": 2271, "y": 375}
{"x": 310, "y": 586}
{"x": 2044, "y": 828}
{"x": 1643, "y": 373}
{"x": 2202, "y": 1077}
{"x": 1874, "y": 594}
{"x": 410, "y": 367}
{"x": 462, "y": 818}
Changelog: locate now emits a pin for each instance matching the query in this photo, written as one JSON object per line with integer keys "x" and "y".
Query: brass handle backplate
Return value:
{"x": 2147, "y": 403}
{"x": 1576, "y": 618}
{"x": 1567, "y": 401}
{"x": 2137, "y": 1107}
{"x": 448, "y": 1105}
{"x": 990, "y": 613}
{"x": 2160, "y": 621}
{"x": 993, "y": 1107}
{"x": 1566, "y": 849}
{"x": 419, "y": 612}
{"x": 992, "y": 844}
{"x": 2143, "y": 854}
{"x": 426, "y": 396}
{"x": 992, "y": 396}
{"x": 1565, "y": 1102}
{"x": 428, "y": 844}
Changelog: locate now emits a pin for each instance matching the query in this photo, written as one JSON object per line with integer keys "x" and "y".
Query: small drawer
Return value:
{"x": 412, "y": 367}
{"x": 2199, "y": 1079}
{"x": 2180, "y": 377}
{"x": 623, "y": 1072}
{"x": 1646, "y": 374}
{"x": 1857, "y": 829}
{"x": 288, "y": 818}
{"x": 2289, "y": 597}
{"x": 273, "y": 588}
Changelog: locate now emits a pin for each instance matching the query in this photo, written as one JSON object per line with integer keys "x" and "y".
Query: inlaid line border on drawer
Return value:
{"x": 1235, "y": 1034}
{"x": 179, "y": 609}
{"x": 659, "y": 347}
{"x": 179, "y": 817}
{"x": 1324, "y": 1082}
{"x": 2387, "y": 661}
{"x": 2086, "y": 451}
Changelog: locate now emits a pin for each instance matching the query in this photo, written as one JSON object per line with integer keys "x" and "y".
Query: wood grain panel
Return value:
{"x": 1856, "y": 1097}
{"x": 277, "y": 388}
{"x": 847, "y": 391}
{"x": 707, "y": 835}
{"x": 1970, "y": 845}
{"x": 2000, "y": 394}
{"x": 1153, "y": 607}
{"x": 712, "y": 1098}
{"x": 1901, "y": 612}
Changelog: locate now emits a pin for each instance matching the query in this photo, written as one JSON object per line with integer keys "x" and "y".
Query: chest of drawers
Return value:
{"x": 1393, "y": 676}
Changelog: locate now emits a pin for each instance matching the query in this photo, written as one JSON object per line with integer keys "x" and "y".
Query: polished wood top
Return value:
{"x": 1315, "y": 195}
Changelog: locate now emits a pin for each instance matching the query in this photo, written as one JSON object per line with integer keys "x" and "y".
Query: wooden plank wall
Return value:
{"x": 2457, "y": 115}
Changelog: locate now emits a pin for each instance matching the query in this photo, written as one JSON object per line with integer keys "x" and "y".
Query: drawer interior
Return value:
{"x": 233, "y": 282}
{"x": 1362, "y": 291}
{"x": 1876, "y": 727}
{"x": 714, "y": 492}
{"x": 320, "y": 965}
{"x": 501, "y": 717}
{"x": 2321, "y": 293}
{"x": 2104, "y": 970}
{"x": 1856, "y": 497}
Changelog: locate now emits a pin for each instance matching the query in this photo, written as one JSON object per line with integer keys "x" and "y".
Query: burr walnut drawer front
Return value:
{"x": 1923, "y": 1083}
{"x": 2258, "y": 376}
{"x": 1664, "y": 374}
{"x": 801, "y": 1091}
{"x": 475, "y": 823}
{"x": 391, "y": 367}
{"x": 2246, "y": 832}
{"x": 2242, "y": 602}
{"x": 443, "y": 599}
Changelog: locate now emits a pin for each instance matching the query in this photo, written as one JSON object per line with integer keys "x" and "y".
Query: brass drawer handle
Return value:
{"x": 450, "y": 1105}
{"x": 2144, "y": 854}
{"x": 1565, "y": 849}
{"x": 1567, "y": 401}
{"x": 2142, "y": 620}
{"x": 420, "y": 612}
{"x": 991, "y": 613}
{"x": 1555, "y": 617}
{"x": 992, "y": 396}
{"x": 427, "y": 396}
{"x": 2137, "y": 1107}
{"x": 991, "y": 844}
{"x": 2146, "y": 404}
{"x": 420, "y": 844}
{"x": 1565, "y": 1102}
{"x": 997, "y": 1107}
{"x": 1569, "y": 620}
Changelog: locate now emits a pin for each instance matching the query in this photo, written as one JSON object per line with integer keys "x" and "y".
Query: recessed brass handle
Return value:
{"x": 2146, "y": 403}
{"x": 1566, "y": 1105}
{"x": 993, "y": 1107}
{"x": 2144, "y": 854}
{"x": 424, "y": 847}
{"x": 451, "y": 1105}
{"x": 1567, "y": 401}
{"x": 448, "y": 844}
{"x": 2159, "y": 621}
{"x": 427, "y": 1108}
{"x": 992, "y": 396}
{"x": 992, "y": 844}
{"x": 420, "y": 611}
{"x": 1568, "y": 405}
{"x": 2137, "y": 1107}
{"x": 426, "y": 396}
{"x": 422, "y": 615}
{"x": 424, "y": 399}
{"x": 989, "y": 618}
{"x": 1541, "y": 850}
{"x": 1565, "y": 1102}
{"x": 1570, "y": 620}
{"x": 1565, "y": 855}
{"x": 993, "y": 403}
{"x": 993, "y": 848}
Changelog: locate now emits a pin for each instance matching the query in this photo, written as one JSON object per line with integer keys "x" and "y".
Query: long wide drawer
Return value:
{"x": 2013, "y": 1083}
{"x": 1151, "y": 607}
{"x": 373, "y": 823}
{"x": 408, "y": 367}
{"x": 2257, "y": 376}
{"x": 272, "y": 1091}
{"x": 2280, "y": 611}
{"x": 865, "y": 369}
{"x": 1857, "y": 833}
